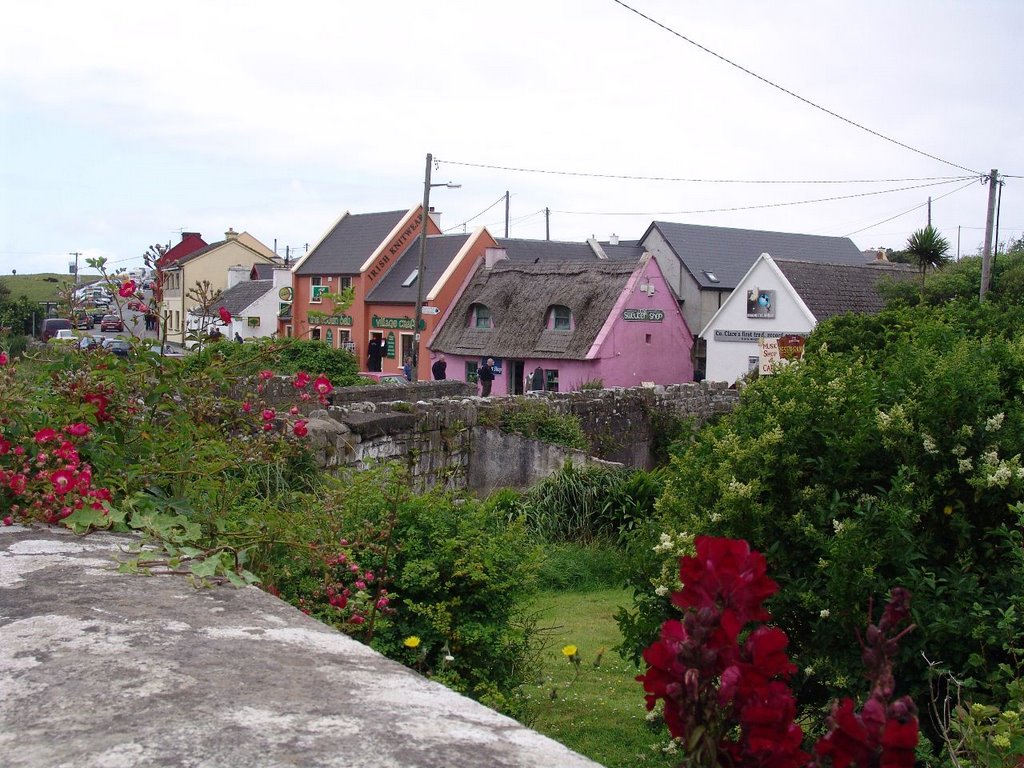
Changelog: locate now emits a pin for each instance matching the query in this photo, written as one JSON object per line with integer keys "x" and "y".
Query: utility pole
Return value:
{"x": 547, "y": 223}
{"x": 986, "y": 255}
{"x": 506, "y": 213}
{"x": 929, "y": 210}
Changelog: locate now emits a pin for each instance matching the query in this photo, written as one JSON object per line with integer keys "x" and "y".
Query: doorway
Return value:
{"x": 517, "y": 377}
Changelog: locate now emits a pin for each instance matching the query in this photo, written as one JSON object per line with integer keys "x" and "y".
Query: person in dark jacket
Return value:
{"x": 485, "y": 375}
{"x": 439, "y": 369}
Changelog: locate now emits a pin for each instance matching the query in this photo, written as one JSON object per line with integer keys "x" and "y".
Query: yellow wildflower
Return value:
{"x": 569, "y": 650}
{"x": 412, "y": 642}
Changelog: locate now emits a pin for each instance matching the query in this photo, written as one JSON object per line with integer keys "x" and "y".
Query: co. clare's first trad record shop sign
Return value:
{"x": 643, "y": 315}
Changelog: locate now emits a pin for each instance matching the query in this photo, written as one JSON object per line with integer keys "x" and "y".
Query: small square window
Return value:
{"x": 551, "y": 380}
{"x": 561, "y": 318}
{"x": 471, "y": 368}
{"x": 482, "y": 316}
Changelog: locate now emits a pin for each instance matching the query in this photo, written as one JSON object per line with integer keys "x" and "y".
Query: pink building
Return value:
{"x": 557, "y": 325}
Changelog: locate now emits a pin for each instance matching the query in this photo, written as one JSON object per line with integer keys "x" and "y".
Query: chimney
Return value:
{"x": 596, "y": 248}
{"x": 435, "y": 216}
{"x": 189, "y": 234}
{"x": 231, "y": 234}
{"x": 237, "y": 274}
{"x": 613, "y": 240}
{"x": 493, "y": 255}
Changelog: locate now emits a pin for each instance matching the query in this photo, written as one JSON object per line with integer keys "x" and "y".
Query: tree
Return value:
{"x": 928, "y": 248}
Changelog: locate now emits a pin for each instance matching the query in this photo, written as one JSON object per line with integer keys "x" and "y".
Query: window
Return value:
{"x": 345, "y": 340}
{"x": 647, "y": 338}
{"x": 344, "y": 283}
{"x": 471, "y": 367}
{"x": 329, "y": 338}
{"x": 411, "y": 278}
{"x": 711, "y": 276}
{"x": 406, "y": 348}
{"x": 317, "y": 289}
{"x": 560, "y": 318}
{"x": 551, "y": 380}
{"x": 482, "y": 316}
{"x": 753, "y": 363}
{"x": 315, "y": 334}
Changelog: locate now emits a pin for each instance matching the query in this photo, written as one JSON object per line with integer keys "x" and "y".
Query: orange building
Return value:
{"x": 377, "y": 255}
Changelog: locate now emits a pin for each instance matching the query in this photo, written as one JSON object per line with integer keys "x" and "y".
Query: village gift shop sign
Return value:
{"x": 643, "y": 315}
{"x": 394, "y": 323}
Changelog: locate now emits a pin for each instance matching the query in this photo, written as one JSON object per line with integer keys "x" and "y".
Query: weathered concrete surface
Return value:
{"x": 105, "y": 670}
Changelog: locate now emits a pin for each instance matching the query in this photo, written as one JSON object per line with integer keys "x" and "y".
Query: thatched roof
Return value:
{"x": 519, "y": 297}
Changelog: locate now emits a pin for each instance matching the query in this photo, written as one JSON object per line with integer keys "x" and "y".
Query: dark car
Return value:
{"x": 84, "y": 322}
{"x": 111, "y": 323}
{"x": 118, "y": 347}
{"x": 53, "y": 324}
{"x": 97, "y": 314}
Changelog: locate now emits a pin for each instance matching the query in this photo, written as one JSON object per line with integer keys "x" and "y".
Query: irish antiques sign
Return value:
{"x": 643, "y": 315}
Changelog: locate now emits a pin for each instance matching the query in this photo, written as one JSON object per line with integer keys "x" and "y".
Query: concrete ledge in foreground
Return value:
{"x": 105, "y": 670}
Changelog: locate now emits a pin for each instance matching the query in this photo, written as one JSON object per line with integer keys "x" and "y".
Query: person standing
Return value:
{"x": 440, "y": 369}
{"x": 485, "y": 374}
{"x": 375, "y": 353}
{"x": 407, "y": 368}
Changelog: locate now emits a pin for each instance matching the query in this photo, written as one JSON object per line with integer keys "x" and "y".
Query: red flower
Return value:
{"x": 266, "y": 375}
{"x": 726, "y": 573}
{"x": 323, "y": 385}
{"x": 5, "y": 446}
{"x": 268, "y": 414}
{"x": 78, "y": 429}
{"x": 17, "y": 483}
{"x": 101, "y": 402}
{"x": 127, "y": 289}
{"x": 301, "y": 380}
{"x": 246, "y": 406}
{"x": 898, "y": 742}
{"x": 45, "y": 434}
{"x": 225, "y": 316}
{"x": 300, "y": 429}
{"x": 8, "y": 520}
{"x": 3, "y": 359}
{"x": 63, "y": 481}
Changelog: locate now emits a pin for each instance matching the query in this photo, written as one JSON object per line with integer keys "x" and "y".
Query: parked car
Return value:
{"x": 66, "y": 334}
{"x": 97, "y": 314}
{"x": 53, "y": 324}
{"x": 136, "y": 306}
{"x": 118, "y": 347}
{"x": 88, "y": 342}
{"x": 111, "y": 323}
{"x": 84, "y": 322}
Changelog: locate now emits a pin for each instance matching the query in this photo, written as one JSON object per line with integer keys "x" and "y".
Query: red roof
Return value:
{"x": 190, "y": 243}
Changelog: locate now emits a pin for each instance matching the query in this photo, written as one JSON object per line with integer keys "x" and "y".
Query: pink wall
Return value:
{"x": 625, "y": 353}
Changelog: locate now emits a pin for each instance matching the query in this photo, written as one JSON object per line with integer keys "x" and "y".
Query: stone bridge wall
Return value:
{"x": 442, "y": 442}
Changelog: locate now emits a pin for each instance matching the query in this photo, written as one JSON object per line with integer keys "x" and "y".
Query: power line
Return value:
{"x": 630, "y": 177}
{"x": 755, "y": 207}
{"x": 791, "y": 93}
{"x": 485, "y": 210}
{"x": 910, "y": 210}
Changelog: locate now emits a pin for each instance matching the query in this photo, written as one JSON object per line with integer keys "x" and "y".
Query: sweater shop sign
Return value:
{"x": 394, "y": 323}
{"x": 643, "y": 315}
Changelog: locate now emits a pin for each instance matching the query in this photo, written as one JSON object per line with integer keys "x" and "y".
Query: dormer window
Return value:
{"x": 711, "y": 276}
{"x": 481, "y": 316}
{"x": 559, "y": 318}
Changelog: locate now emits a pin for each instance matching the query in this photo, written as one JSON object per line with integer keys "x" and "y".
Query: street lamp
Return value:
{"x": 419, "y": 269}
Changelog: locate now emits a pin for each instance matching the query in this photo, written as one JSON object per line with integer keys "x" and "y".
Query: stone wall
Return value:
{"x": 104, "y": 669}
{"x": 442, "y": 443}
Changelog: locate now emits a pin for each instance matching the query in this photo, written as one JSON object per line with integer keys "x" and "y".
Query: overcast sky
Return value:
{"x": 122, "y": 123}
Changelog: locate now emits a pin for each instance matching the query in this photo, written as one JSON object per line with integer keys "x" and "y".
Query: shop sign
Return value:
{"x": 389, "y": 347}
{"x": 392, "y": 323}
{"x": 339, "y": 320}
{"x": 285, "y": 294}
{"x": 319, "y": 291}
{"x": 643, "y": 315}
{"x": 394, "y": 248}
{"x": 761, "y": 304}
{"x": 751, "y": 337}
{"x": 791, "y": 347}
{"x": 769, "y": 355}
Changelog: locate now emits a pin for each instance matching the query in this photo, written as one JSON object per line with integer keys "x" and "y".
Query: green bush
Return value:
{"x": 538, "y": 420}
{"x": 283, "y": 356}
{"x": 581, "y": 567}
{"x": 890, "y": 457}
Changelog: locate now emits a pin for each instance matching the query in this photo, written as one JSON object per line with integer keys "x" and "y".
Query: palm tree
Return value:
{"x": 928, "y": 248}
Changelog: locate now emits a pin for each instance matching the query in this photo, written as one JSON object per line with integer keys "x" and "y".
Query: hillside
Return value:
{"x": 40, "y": 287}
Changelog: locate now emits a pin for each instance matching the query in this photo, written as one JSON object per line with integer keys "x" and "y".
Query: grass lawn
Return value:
{"x": 41, "y": 287}
{"x": 601, "y": 714}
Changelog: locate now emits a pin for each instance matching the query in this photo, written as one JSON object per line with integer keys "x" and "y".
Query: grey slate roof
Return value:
{"x": 519, "y": 296}
{"x": 529, "y": 251}
{"x": 352, "y": 241}
{"x": 833, "y": 289}
{"x": 239, "y": 296}
{"x": 441, "y": 249}
{"x": 729, "y": 253}
{"x": 264, "y": 271}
